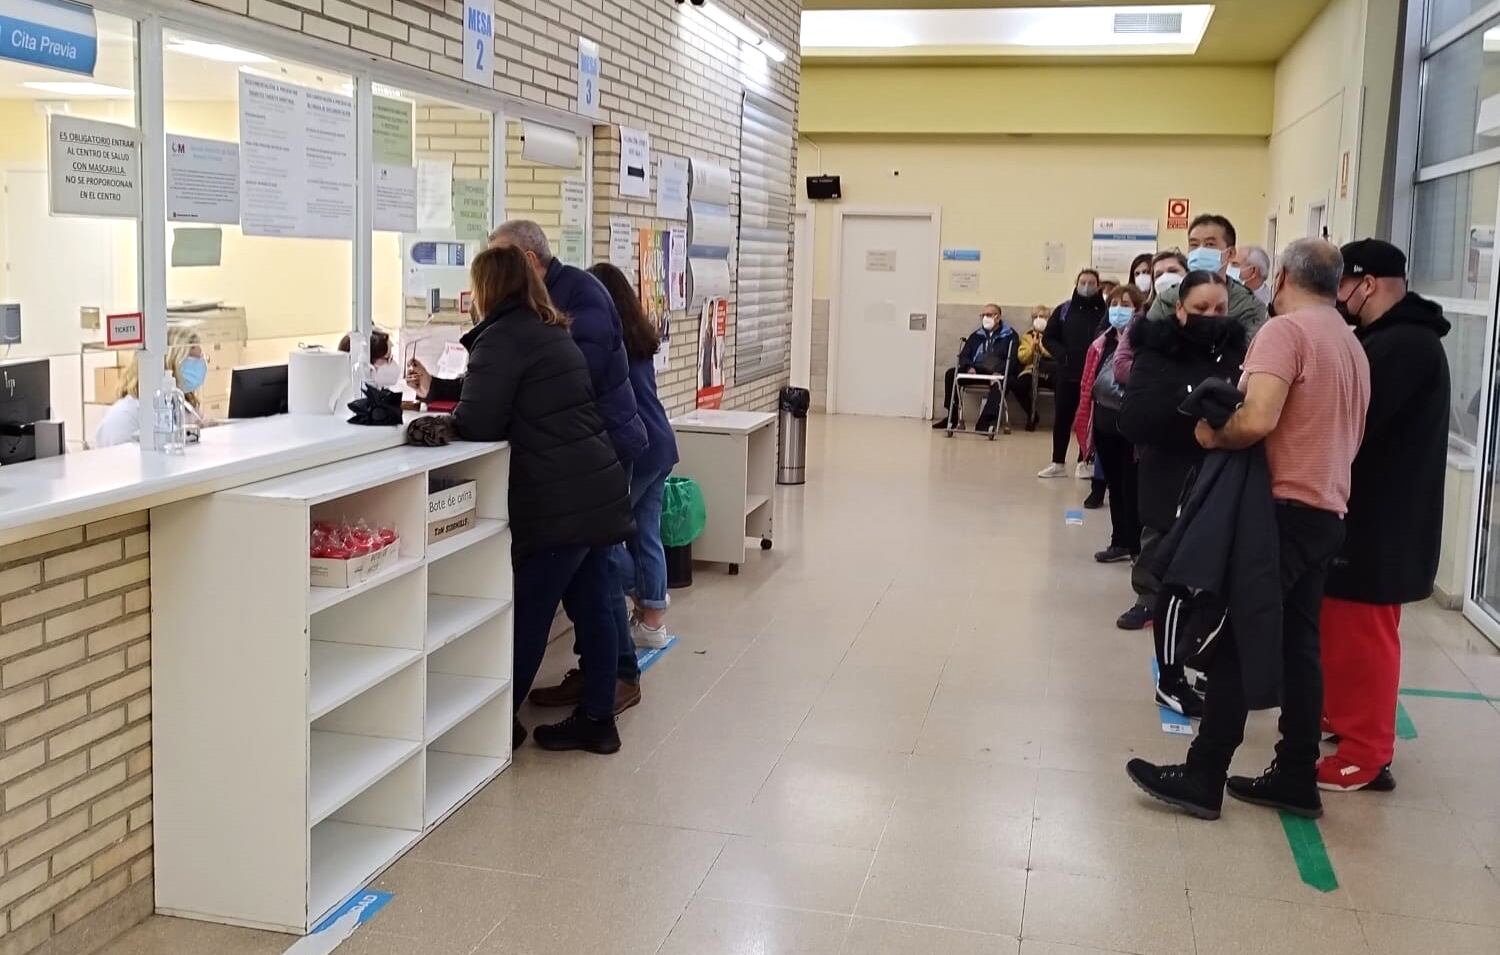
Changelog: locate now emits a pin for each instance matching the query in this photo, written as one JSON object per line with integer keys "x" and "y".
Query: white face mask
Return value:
{"x": 987, "y": 322}
{"x": 1040, "y": 324}
{"x": 1167, "y": 281}
{"x": 1143, "y": 282}
{"x": 386, "y": 375}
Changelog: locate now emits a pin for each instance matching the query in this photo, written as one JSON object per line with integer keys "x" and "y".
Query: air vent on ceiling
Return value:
{"x": 1148, "y": 23}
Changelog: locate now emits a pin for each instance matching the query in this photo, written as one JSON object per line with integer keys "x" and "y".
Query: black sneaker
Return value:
{"x": 1136, "y": 618}
{"x": 1181, "y": 698}
{"x": 1274, "y": 790}
{"x": 1113, "y": 554}
{"x": 580, "y": 732}
{"x": 1179, "y": 787}
{"x": 1094, "y": 501}
{"x": 517, "y": 735}
{"x": 943, "y": 424}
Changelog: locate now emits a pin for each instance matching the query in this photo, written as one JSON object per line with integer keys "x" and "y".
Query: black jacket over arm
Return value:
{"x": 1394, "y": 529}
{"x": 528, "y": 384}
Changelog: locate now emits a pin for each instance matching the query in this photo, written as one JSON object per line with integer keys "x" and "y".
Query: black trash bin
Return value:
{"x": 791, "y": 435}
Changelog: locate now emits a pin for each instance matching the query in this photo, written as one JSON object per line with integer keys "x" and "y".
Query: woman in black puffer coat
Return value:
{"x": 1171, "y": 358}
{"x": 527, "y": 383}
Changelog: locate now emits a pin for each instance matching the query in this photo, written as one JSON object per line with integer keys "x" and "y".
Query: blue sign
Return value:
{"x": 960, "y": 255}
{"x": 50, "y": 33}
{"x": 363, "y": 905}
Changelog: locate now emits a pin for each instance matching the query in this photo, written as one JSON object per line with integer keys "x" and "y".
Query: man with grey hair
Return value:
{"x": 1306, "y": 386}
{"x": 1251, "y": 267}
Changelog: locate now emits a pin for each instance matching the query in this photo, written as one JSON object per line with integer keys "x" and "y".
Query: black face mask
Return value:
{"x": 1350, "y": 318}
{"x": 1203, "y": 330}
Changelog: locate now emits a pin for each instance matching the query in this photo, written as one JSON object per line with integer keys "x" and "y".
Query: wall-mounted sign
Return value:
{"x": 1117, "y": 242}
{"x": 479, "y": 41}
{"x": 123, "y": 329}
{"x": 93, "y": 168}
{"x": 960, "y": 255}
{"x": 588, "y": 77}
{"x": 880, "y": 260}
{"x": 203, "y": 180}
{"x": 635, "y": 160}
{"x": 1177, "y": 213}
{"x": 50, "y": 33}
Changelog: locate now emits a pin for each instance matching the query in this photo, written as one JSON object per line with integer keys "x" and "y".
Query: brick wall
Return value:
{"x": 75, "y": 736}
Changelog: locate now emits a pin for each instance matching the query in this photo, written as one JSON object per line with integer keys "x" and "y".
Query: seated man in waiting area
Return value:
{"x": 989, "y": 350}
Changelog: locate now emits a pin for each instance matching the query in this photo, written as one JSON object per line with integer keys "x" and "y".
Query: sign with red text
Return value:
{"x": 126, "y": 328}
{"x": 711, "y": 334}
{"x": 1177, "y": 213}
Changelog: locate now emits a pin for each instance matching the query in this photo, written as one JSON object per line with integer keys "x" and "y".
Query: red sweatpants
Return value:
{"x": 1361, "y": 675}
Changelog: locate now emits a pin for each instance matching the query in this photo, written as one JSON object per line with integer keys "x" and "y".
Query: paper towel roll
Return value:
{"x": 549, "y": 145}
{"x": 316, "y": 381}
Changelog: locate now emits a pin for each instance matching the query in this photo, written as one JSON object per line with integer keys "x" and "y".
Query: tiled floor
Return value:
{"x": 903, "y": 732}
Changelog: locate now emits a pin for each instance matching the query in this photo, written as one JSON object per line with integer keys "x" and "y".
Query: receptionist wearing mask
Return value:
{"x": 384, "y": 372}
{"x": 188, "y": 367}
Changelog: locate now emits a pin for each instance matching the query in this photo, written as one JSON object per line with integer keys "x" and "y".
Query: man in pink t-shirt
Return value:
{"x": 1307, "y": 386}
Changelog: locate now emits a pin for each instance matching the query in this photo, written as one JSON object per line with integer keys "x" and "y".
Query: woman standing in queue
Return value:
{"x": 527, "y": 383}
{"x": 1098, "y": 426}
{"x": 1070, "y": 331}
{"x": 643, "y": 563}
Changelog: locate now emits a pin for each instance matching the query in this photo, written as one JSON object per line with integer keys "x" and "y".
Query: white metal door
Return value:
{"x": 802, "y": 277}
{"x": 886, "y": 315}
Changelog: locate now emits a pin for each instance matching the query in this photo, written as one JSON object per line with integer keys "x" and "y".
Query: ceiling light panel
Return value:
{"x": 1035, "y": 31}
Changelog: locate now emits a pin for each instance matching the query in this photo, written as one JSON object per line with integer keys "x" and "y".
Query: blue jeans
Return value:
{"x": 626, "y": 667}
{"x": 580, "y": 579}
{"x": 642, "y": 563}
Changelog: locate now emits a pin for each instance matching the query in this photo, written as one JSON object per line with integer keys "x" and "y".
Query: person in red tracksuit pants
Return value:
{"x": 1393, "y": 530}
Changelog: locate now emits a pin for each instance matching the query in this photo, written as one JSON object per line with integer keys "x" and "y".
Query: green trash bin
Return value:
{"x": 683, "y": 516}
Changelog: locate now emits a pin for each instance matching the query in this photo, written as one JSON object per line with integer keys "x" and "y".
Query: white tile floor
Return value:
{"x": 903, "y": 732}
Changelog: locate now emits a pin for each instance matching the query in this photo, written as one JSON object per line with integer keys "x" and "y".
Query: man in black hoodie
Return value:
{"x": 1070, "y": 331}
{"x": 1394, "y": 528}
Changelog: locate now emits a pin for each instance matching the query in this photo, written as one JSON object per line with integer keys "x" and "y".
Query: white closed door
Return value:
{"x": 887, "y": 314}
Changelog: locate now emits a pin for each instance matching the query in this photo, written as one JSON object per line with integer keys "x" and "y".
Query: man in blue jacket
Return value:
{"x": 597, "y": 332}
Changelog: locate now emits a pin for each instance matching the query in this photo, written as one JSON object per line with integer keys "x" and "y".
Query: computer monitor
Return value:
{"x": 258, "y": 391}
{"x": 25, "y": 391}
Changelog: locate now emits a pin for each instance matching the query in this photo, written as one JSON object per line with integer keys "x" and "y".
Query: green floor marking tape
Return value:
{"x": 1449, "y": 694}
{"x": 1405, "y": 728}
{"x": 1309, "y": 852}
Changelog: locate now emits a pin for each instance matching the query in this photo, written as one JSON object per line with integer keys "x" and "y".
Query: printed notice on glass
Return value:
{"x": 435, "y": 195}
{"x": 94, "y": 169}
{"x": 390, "y": 124}
{"x": 471, "y": 209}
{"x": 395, "y": 198}
{"x": 296, "y": 160}
{"x": 574, "y": 202}
{"x": 203, "y": 180}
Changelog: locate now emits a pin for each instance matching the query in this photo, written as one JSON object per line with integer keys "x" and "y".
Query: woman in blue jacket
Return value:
{"x": 646, "y": 581}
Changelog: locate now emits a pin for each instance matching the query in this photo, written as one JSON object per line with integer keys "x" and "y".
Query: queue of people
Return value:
{"x": 560, "y": 366}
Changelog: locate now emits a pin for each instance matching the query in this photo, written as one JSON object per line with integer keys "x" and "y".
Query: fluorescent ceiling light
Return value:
{"x": 1140, "y": 30}
{"x": 215, "y": 51}
{"x": 78, "y": 89}
{"x": 746, "y": 33}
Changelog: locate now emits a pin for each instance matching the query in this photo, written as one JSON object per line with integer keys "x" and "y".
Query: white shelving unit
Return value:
{"x": 305, "y": 737}
{"x": 732, "y": 456}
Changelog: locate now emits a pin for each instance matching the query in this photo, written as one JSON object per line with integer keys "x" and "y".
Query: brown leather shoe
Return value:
{"x": 626, "y": 696}
{"x": 566, "y": 693}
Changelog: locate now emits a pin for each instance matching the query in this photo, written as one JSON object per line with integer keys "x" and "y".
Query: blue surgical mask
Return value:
{"x": 1204, "y": 259}
{"x": 1120, "y": 316}
{"x": 1234, "y": 273}
{"x": 192, "y": 373}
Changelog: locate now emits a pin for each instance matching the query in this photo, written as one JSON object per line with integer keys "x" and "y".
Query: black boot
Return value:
{"x": 1193, "y": 792}
{"x": 1095, "y": 500}
{"x": 1276, "y": 789}
{"x": 580, "y": 731}
{"x": 1179, "y": 696}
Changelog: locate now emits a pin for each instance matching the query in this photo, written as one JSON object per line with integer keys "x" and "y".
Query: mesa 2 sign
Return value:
{"x": 479, "y": 41}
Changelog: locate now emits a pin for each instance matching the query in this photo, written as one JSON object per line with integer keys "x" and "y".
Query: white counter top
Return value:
{"x": 710, "y": 421}
{"x": 41, "y": 496}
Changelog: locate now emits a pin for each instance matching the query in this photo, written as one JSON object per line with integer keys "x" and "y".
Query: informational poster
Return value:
{"x": 677, "y": 261}
{"x": 391, "y": 126}
{"x": 1054, "y": 257}
{"x": 203, "y": 180}
{"x": 635, "y": 163}
{"x": 712, "y": 331}
{"x": 296, "y": 160}
{"x": 588, "y": 77}
{"x": 651, "y": 280}
{"x": 471, "y": 209}
{"x": 671, "y": 187}
{"x": 963, "y": 280}
{"x": 574, "y": 201}
{"x": 880, "y": 260}
{"x": 574, "y": 249}
{"x": 621, "y": 256}
{"x": 93, "y": 168}
{"x": 435, "y": 195}
{"x": 479, "y": 41}
{"x": 1117, "y": 241}
{"x": 395, "y": 198}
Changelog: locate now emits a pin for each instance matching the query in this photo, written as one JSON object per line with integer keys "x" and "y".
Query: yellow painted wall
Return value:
{"x": 1007, "y": 196}
{"x": 1041, "y": 99}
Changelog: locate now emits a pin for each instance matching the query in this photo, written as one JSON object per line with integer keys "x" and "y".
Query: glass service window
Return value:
{"x": 1444, "y": 15}
{"x": 1461, "y": 98}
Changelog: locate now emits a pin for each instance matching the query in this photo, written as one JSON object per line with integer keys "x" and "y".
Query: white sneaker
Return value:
{"x": 651, "y": 638}
{"x": 1052, "y": 471}
{"x": 1084, "y": 471}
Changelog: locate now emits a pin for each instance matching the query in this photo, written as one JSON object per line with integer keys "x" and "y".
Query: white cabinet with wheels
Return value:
{"x": 732, "y": 456}
{"x": 305, "y": 737}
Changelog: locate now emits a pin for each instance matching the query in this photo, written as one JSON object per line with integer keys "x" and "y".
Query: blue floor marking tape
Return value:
{"x": 1072, "y": 516}
{"x": 647, "y": 657}
{"x": 339, "y": 925}
{"x": 363, "y": 904}
{"x": 1173, "y": 723}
